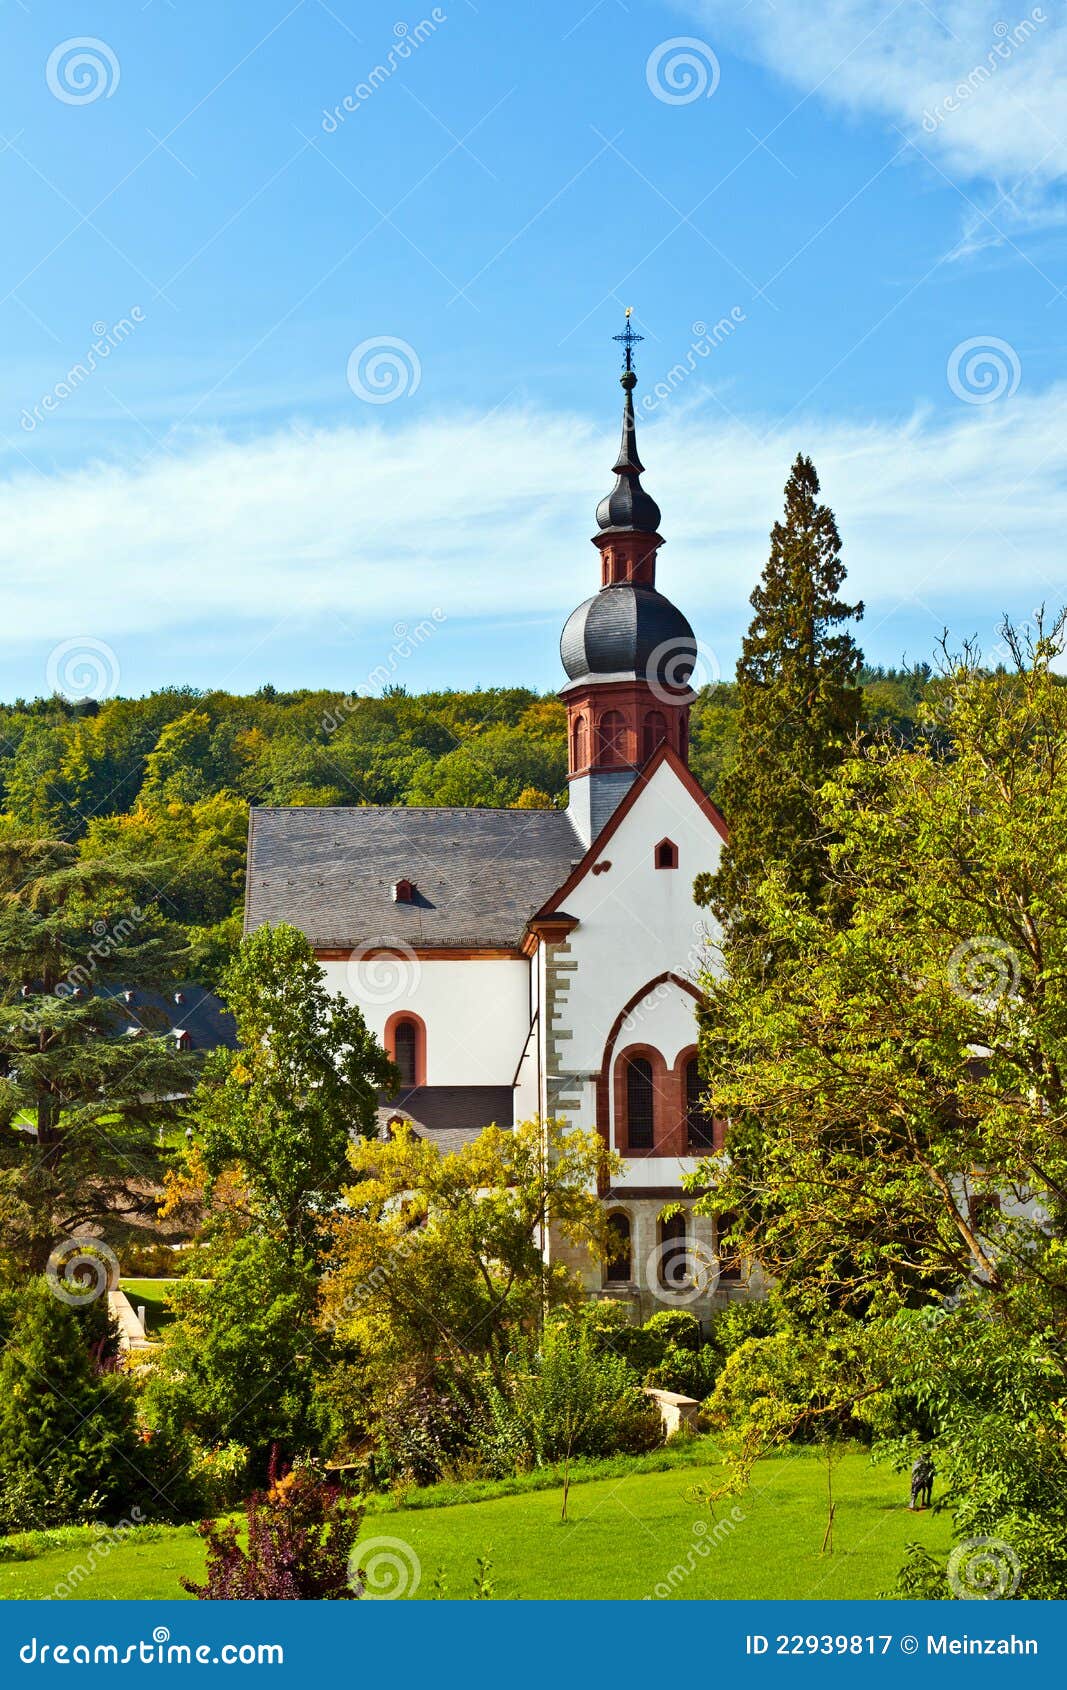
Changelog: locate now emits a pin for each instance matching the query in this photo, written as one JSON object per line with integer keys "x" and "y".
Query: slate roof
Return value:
{"x": 188, "y": 1008}
{"x": 480, "y": 874}
{"x": 451, "y": 1116}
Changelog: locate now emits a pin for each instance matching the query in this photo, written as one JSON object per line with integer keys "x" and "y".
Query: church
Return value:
{"x": 520, "y": 963}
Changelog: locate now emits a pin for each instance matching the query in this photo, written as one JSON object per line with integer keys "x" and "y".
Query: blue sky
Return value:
{"x": 224, "y": 499}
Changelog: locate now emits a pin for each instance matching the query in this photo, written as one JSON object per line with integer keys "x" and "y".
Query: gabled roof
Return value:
{"x": 450, "y": 1116}
{"x": 479, "y": 874}
{"x": 666, "y": 754}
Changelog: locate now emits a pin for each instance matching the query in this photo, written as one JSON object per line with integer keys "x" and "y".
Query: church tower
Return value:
{"x": 628, "y": 651}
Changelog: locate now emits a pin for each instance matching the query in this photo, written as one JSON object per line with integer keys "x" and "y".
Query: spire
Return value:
{"x": 628, "y": 506}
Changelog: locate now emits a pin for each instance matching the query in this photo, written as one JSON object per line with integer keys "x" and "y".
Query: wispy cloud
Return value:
{"x": 487, "y": 520}
{"x": 976, "y": 85}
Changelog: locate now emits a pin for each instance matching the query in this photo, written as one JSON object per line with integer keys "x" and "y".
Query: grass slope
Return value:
{"x": 636, "y": 1535}
{"x": 153, "y": 1294}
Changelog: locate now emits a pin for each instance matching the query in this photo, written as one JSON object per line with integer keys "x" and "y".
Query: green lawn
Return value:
{"x": 644, "y": 1534}
{"x": 152, "y": 1293}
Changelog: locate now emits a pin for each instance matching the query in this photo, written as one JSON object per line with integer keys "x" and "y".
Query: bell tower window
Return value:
{"x": 653, "y": 733}
{"x": 579, "y": 743}
{"x": 612, "y": 739}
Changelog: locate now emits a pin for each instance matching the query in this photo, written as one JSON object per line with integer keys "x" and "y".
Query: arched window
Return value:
{"x": 653, "y": 733}
{"x": 618, "y": 1268}
{"x": 612, "y": 738}
{"x": 406, "y": 1051}
{"x": 673, "y": 1254}
{"x": 666, "y": 854}
{"x": 701, "y": 1128}
{"x": 580, "y": 743}
{"x": 640, "y": 1100}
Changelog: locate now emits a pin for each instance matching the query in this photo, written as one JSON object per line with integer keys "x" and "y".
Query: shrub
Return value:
{"x": 62, "y": 1419}
{"x": 759, "y": 1318}
{"x": 30, "y": 1502}
{"x": 567, "y": 1398}
{"x": 239, "y": 1353}
{"x": 220, "y": 1475}
{"x": 155, "y": 1261}
{"x": 425, "y": 1434}
{"x": 301, "y": 1539}
{"x": 692, "y": 1373}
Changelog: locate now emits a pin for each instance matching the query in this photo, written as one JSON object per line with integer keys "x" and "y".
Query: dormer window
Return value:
{"x": 404, "y": 892}
{"x": 182, "y": 1039}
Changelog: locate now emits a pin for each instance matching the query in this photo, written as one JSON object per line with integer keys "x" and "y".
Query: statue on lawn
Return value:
{"x": 922, "y": 1483}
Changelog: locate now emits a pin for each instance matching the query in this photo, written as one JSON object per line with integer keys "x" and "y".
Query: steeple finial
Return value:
{"x": 628, "y": 505}
{"x": 629, "y": 340}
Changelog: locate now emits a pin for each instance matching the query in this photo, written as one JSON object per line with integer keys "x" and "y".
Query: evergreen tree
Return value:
{"x": 798, "y": 704}
{"x": 80, "y": 1101}
{"x": 67, "y": 1430}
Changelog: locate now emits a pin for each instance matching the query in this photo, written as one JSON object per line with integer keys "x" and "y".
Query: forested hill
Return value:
{"x": 167, "y": 780}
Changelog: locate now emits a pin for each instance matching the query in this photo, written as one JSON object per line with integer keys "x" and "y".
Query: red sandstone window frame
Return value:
{"x": 580, "y": 742}
{"x": 666, "y": 854}
{"x": 661, "y": 1100}
{"x": 406, "y": 1018}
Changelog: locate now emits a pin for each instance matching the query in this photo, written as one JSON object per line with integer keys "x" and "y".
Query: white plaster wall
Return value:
{"x": 637, "y": 921}
{"x": 476, "y": 1010}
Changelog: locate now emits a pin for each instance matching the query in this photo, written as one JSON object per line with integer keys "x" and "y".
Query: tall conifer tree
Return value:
{"x": 799, "y": 702}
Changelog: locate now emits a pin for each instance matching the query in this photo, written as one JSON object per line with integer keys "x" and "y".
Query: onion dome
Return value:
{"x": 625, "y": 632}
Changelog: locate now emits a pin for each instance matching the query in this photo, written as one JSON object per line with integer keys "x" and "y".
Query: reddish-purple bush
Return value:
{"x": 300, "y": 1538}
